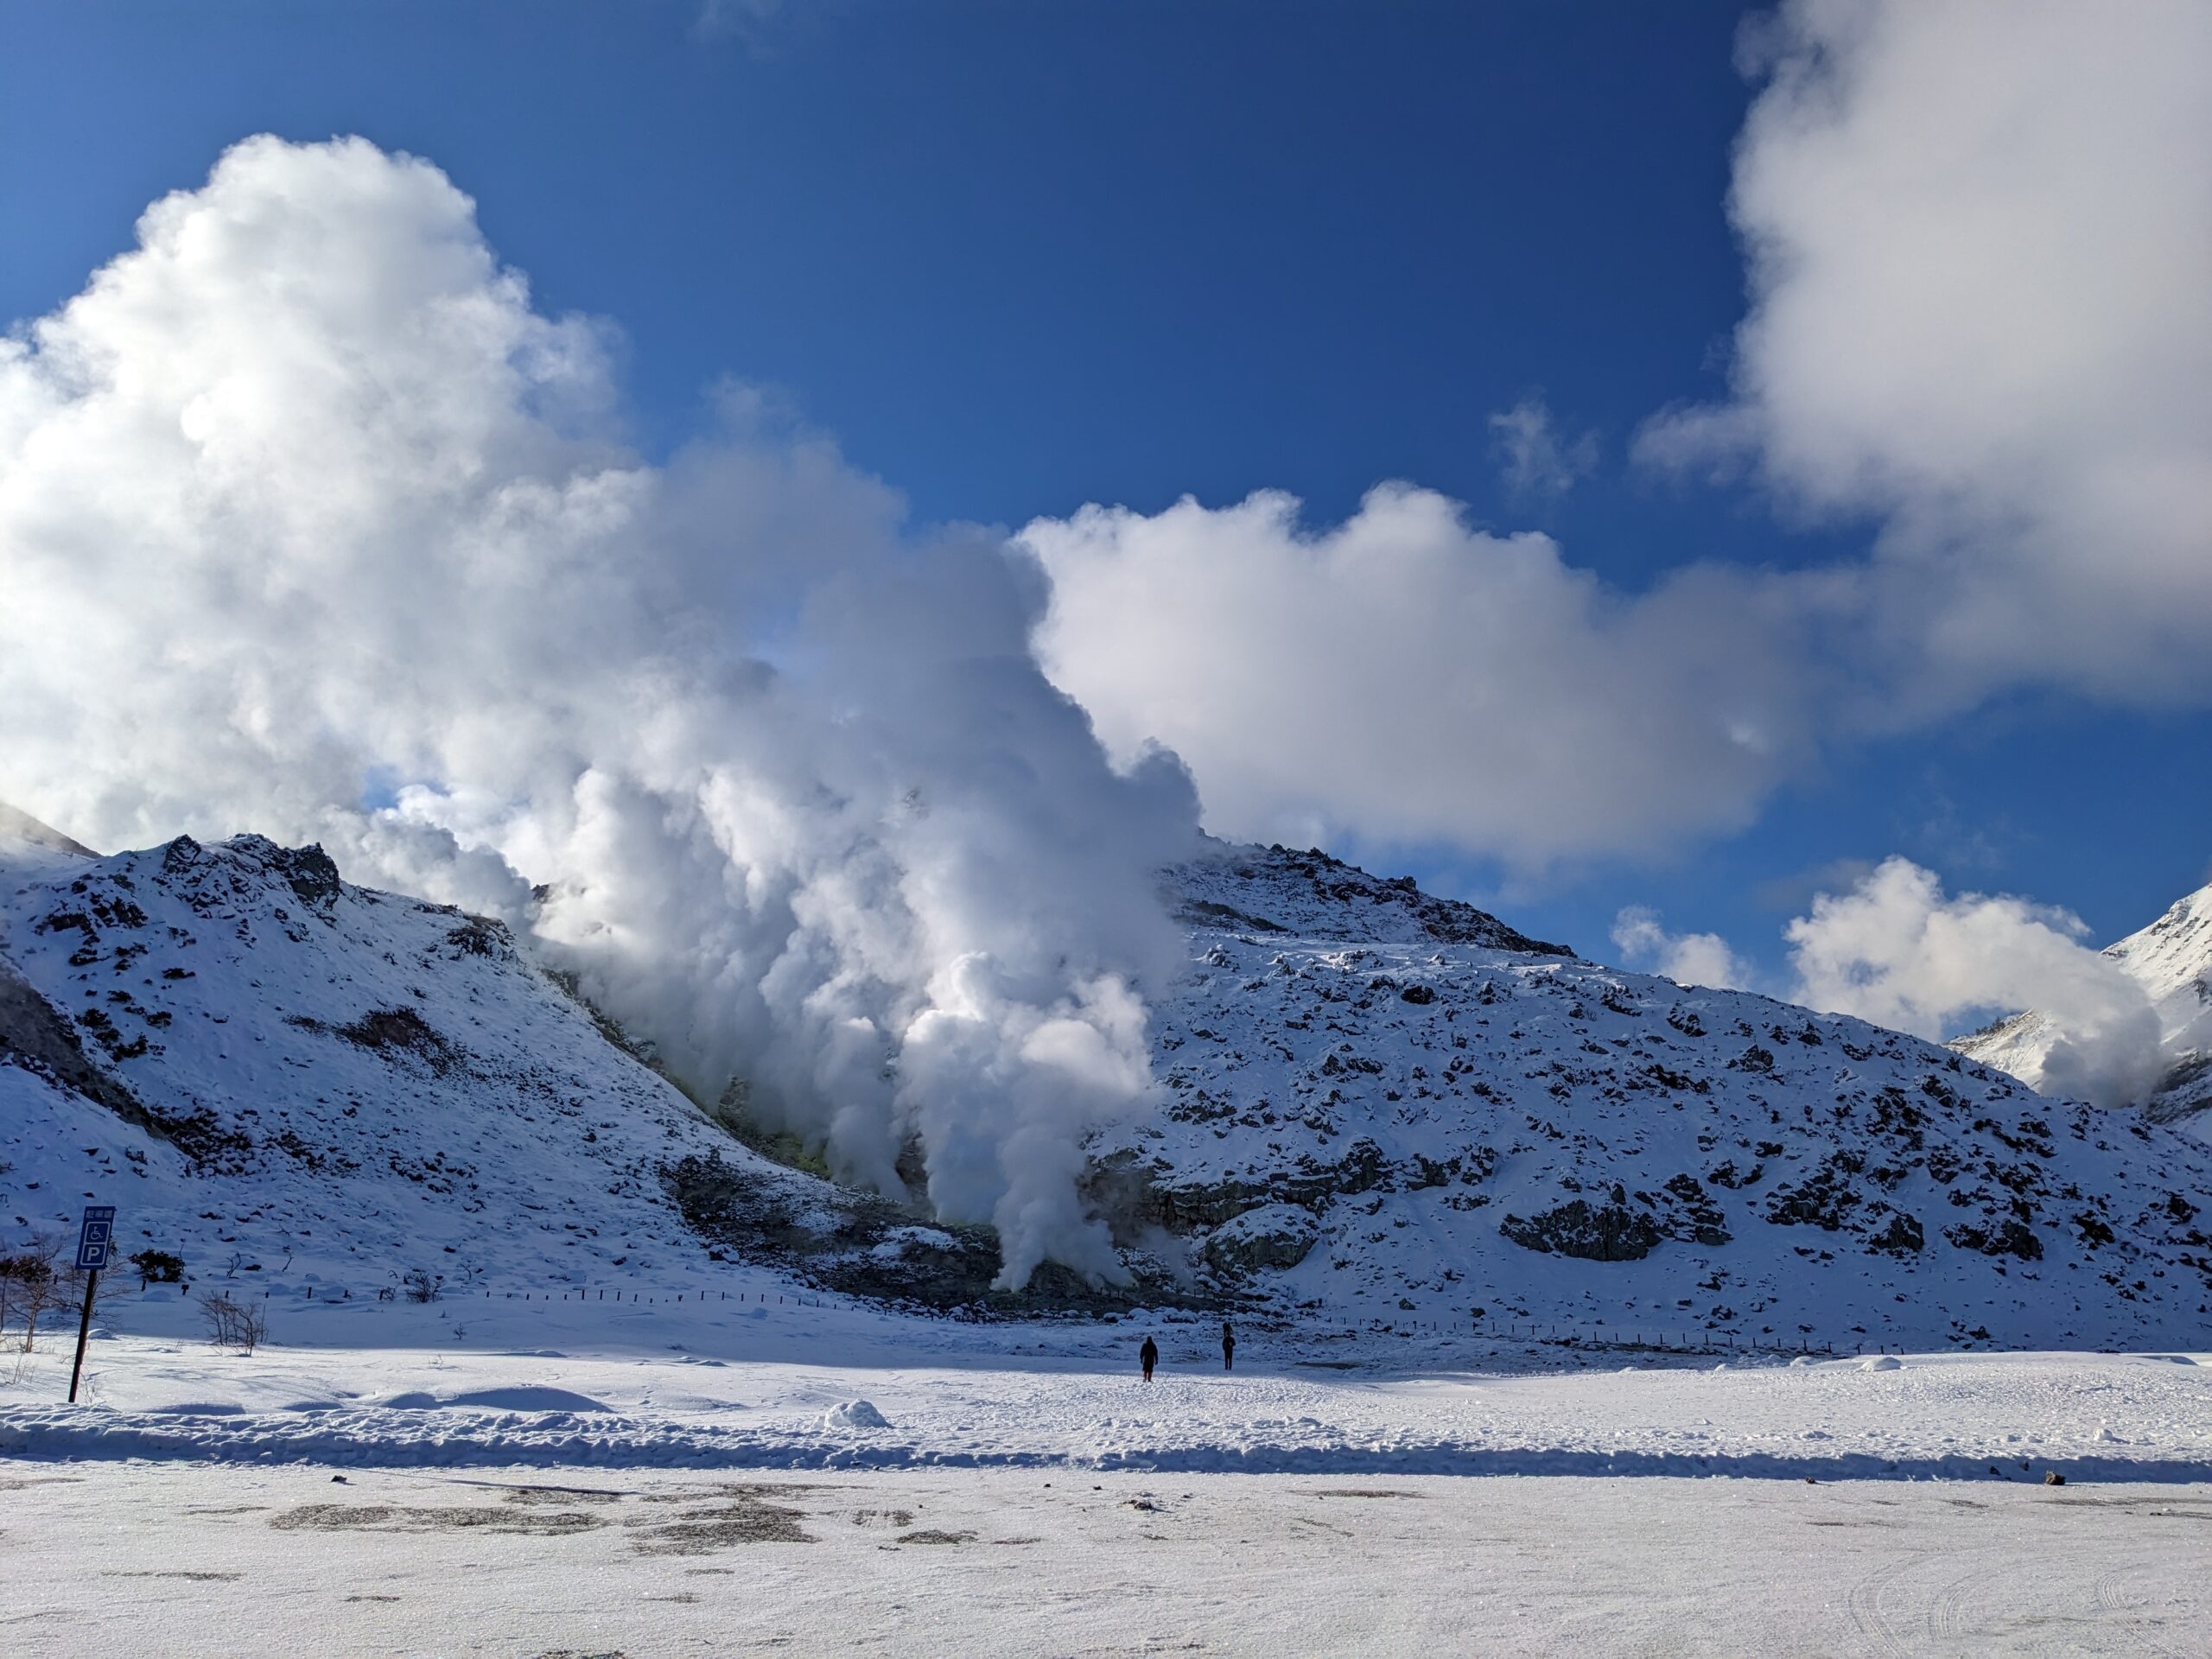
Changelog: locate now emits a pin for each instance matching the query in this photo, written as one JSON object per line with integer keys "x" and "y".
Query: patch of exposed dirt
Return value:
{"x": 743, "y": 1517}
{"x": 535, "y": 1496}
{"x": 393, "y": 1517}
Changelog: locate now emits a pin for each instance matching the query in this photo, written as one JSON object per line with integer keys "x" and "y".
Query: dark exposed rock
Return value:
{"x": 2093, "y": 1231}
{"x": 1187, "y": 1206}
{"x": 1726, "y": 1174}
{"x": 392, "y": 1032}
{"x": 309, "y": 872}
{"x": 1207, "y": 913}
{"x": 865, "y": 1245}
{"x": 1273, "y": 1236}
{"x": 479, "y": 935}
{"x": 1824, "y": 1199}
{"x": 2007, "y": 1237}
{"x": 1903, "y": 1236}
{"x": 1705, "y": 1221}
{"x": 1610, "y": 1234}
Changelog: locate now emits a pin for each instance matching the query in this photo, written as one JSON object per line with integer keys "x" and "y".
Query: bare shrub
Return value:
{"x": 421, "y": 1285}
{"x": 31, "y": 1284}
{"x": 235, "y": 1323}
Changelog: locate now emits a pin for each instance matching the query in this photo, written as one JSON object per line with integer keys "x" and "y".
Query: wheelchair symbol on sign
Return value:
{"x": 97, "y": 1238}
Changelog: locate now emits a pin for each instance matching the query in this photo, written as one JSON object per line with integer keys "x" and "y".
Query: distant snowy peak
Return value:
{"x": 1274, "y": 890}
{"x": 2173, "y": 956}
{"x": 2171, "y": 960}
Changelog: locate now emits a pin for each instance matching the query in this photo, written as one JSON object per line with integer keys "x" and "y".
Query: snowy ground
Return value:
{"x": 186, "y": 1560}
{"x": 585, "y": 1477}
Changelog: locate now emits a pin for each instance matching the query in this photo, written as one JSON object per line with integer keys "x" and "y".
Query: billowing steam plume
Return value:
{"x": 310, "y": 524}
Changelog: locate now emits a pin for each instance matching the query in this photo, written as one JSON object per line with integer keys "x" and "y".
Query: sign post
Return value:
{"x": 94, "y": 1241}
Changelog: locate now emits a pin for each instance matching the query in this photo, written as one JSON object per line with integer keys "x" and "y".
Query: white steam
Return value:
{"x": 310, "y": 524}
{"x": 1685, "y": 959}
{"x": 1897, "y": 951}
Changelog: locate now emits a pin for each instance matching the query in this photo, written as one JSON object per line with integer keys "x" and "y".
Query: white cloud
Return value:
{"x": 1534, "y": 460}
{"x": 1406, "y": 676}
{"x": 302, "y": 496}
{"x": 1685, "y": 959}
{"x": 1979, "y": 239}
{"x": 1896, "y": 950}
{"x": 1979, "y": 236}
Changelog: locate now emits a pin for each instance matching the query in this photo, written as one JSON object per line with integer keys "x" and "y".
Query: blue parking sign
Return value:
{"x": 97, "y": 1237}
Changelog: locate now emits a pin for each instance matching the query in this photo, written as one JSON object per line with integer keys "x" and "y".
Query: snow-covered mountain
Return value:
{"x": 1376, "y": 1106}
{"x": 1383, "y": 1103}
{"x": 263, "y": 1066}
{"x": 2171, "y": 960}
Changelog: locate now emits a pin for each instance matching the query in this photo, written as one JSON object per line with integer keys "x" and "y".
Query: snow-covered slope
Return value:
{"x": 261, "y": 1065}
{"x": 2171, "y": 960}
{"x": 1394, "y": 1111}
{"x": 1376, "y": 1106}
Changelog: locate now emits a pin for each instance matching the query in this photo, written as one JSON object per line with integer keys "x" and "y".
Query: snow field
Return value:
{"x": 585, "y": 1385}
{"x": 182, "y": 1559}
{"x": 496, "y": 1477}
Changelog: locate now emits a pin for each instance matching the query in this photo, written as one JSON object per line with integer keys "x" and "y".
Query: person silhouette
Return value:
{"x": 1228, "y": 1347}
{"x": 1149, "y": 1356}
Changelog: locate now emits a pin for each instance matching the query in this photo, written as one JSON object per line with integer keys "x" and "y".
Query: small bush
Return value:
{"x": 422, "y": 1285}
{"x": 158, "y": 1267}
{"x": 232, "y": 1323}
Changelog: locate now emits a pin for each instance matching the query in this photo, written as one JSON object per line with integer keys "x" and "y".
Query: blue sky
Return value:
{"x": 1020, "y": 258}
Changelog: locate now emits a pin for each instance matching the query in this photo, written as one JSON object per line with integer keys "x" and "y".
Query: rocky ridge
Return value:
{"x": 1370, "y": 1114}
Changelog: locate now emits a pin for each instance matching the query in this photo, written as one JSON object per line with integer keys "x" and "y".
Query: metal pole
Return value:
{"x": 84, "y": 1329}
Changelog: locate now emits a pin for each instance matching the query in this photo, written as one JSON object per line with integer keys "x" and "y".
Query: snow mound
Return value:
{"x": 514, "y": 1399}
{"x": 526, "y": 1399}
{"x": 854, "y": 1414}
{"x": 1881, "y": 1363}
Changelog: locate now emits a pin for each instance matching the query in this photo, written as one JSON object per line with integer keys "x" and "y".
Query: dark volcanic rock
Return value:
{"x": 1610, "y": 1234}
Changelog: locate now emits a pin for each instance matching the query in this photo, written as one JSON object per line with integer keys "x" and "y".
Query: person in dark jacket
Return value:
{"x": 1228, "y": 1347}
{"x": 1149, "y": 1356}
